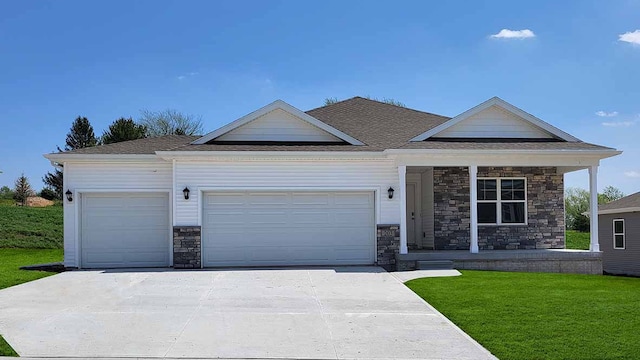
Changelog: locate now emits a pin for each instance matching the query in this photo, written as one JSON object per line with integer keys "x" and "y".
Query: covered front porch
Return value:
{"x": 507, "y": 216}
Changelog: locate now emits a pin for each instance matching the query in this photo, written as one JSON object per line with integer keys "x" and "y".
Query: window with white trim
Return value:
{"x": 502, "y": 201}
{"x": 618, "y": 234}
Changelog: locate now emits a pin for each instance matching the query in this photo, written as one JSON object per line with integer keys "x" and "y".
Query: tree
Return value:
{"x": 80, "y": 135}
{"x": 576, "y": 204}
{"x": 123, "y": 130}
{"x": 390, "y": 101}
{"x": 609, "y": 194}
{"x": 53, "y": 180}
{"x": 6, "y": 193}
{"x": 22, "y": 190}
{"x": 170, "y": 122}
{"x": 48, "y": 193}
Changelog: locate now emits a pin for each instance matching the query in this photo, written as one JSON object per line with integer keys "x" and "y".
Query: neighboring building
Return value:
{"x": 620, "y": 235}
{"x": 349, "y": 183}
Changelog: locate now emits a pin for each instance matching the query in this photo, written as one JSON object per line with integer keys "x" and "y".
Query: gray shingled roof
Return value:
{"x": 630, "y": 201}
{"x": 140, "y": 146}
{"x": 378, "y": 125}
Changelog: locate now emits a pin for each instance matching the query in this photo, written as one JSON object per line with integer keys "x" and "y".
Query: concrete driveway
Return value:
{"x": 334, "y": 313}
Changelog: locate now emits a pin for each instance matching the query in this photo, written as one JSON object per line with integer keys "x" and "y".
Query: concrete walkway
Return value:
{"x": 336, "y": 313}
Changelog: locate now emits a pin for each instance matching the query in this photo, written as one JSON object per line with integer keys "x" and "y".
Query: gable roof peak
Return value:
{"x": 275, "y": 105}
{"x": 504, "y": 105}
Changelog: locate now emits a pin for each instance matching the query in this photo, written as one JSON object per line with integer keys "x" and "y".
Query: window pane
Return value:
{"x": 487, "y": 213}
{"x": 618, "y": 226}
{"x": 518, "y": 184}
{"x": 490, "y": 194}
{"x": 619, "y": 241}
{"x": 486, "y": 189}
{"x": 506, "y": 194}
{"x": 513, "y": 213}
{"x": 506, "y": 184}
{"x": 518, "y": 194}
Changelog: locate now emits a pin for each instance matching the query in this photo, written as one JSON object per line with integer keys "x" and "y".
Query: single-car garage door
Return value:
{"x": 288, "y": 228}
{"x": 124, "y": 230}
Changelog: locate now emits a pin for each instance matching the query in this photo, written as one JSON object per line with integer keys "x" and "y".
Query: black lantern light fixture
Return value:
{"x": 390, "y": 191}
{"x": 185, "y": 192}
{"x": 69, "y": 195}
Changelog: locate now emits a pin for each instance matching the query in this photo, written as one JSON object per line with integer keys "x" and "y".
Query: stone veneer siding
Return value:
{"x": 187, "y": 246}
{"x": 388, "y": 245}
{"x": 545, "y": 210}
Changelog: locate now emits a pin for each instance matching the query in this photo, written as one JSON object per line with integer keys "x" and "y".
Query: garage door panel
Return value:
{"x": 124, "y": 230}
{"x": 288, "y": 228}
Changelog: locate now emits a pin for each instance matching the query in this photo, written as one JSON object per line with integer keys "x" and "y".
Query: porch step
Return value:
{"x": 434, "y": 264}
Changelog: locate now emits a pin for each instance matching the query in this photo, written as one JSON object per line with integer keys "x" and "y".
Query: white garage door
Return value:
{"x": 288, "y": 228}
{"x": 125, "y": 230}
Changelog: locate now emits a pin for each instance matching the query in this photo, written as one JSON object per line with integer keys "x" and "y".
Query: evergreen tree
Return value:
{"x": 53, "y": 180}
{"x": 123, "y": 130}
{"x": 80, "y": 135}
{"x": 22, "y": 190}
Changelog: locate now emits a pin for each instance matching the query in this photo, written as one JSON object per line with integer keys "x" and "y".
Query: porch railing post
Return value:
{"x": 402, "y": 177}
{"x": 473, "y": 193}
{"x": 593, "y": 208}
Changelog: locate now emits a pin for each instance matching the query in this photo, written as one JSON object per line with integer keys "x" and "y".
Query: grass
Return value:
{"x": 577, "y": 240}
{"x": 541, "y": 316}
{"x": 34, "y": 228}
{"x": 27, "y": 236}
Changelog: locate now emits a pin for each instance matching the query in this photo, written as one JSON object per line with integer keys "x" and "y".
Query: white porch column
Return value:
{"x": 402, "y": 177}
{"x": 473, "y": 193}
{"x": 593, "y": 208}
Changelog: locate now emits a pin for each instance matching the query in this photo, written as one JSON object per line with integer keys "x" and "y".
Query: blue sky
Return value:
{"x": 221, "y": 60}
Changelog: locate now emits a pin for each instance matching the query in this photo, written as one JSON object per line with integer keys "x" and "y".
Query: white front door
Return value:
{"x": 124, "y": 230}
{"x": 250, "y": 228}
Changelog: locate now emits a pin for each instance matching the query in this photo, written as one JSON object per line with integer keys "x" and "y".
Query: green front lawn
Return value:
{"x": 577, "y": 240}
{"x": 541, "y": 316}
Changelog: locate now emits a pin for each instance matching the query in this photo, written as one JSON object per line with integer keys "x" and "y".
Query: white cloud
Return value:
{"x": 618, "y": 123}
{"x": 607, "y": 114}
{"x": 632, "y": 174}
{"x": 182, "y": 77}
{"x": 630, "y": 37}
{"x": 514, "y": 34}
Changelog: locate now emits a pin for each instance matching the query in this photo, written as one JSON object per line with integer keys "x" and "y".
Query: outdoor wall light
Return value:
{"x": 69, "y": 195}
{"x": 390, "y": 191}
{"x": 186, "y": 193}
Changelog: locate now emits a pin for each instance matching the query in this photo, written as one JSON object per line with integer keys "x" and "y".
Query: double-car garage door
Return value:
{"x": 288, "y": 228}
{"x": 246, "y": 228}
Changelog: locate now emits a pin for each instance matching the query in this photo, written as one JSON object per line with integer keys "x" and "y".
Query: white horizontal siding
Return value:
{"x": 119, "y": 176}
{"x": 494, "y": 122}
{"x": 106, "y": 176}
{"x": 285, "y": 175}
{"x": 278, "y": 125}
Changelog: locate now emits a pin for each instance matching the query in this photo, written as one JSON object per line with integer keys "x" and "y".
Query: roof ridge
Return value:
{"x": 383, "y": 103}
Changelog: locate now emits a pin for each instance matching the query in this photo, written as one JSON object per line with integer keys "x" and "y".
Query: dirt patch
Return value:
{"x": 37, "y": 201}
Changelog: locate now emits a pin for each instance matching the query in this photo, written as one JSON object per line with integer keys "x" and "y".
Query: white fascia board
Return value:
{"x": 504, "y": 105}
{"x": 441, "y": 157}
{"x": 203, "y": 155}
{"x": 479, "y": 152}
{"x": 60, "y": 157}
{"x": 619, "y": 211}
{"x": 278, "y": 104}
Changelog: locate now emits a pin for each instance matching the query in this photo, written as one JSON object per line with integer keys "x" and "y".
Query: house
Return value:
{"x": 619, "y": 235}
{"x": 354, "y": 182}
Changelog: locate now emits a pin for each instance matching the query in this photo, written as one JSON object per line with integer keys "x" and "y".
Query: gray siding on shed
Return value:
{"x": 620, "y": 261}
